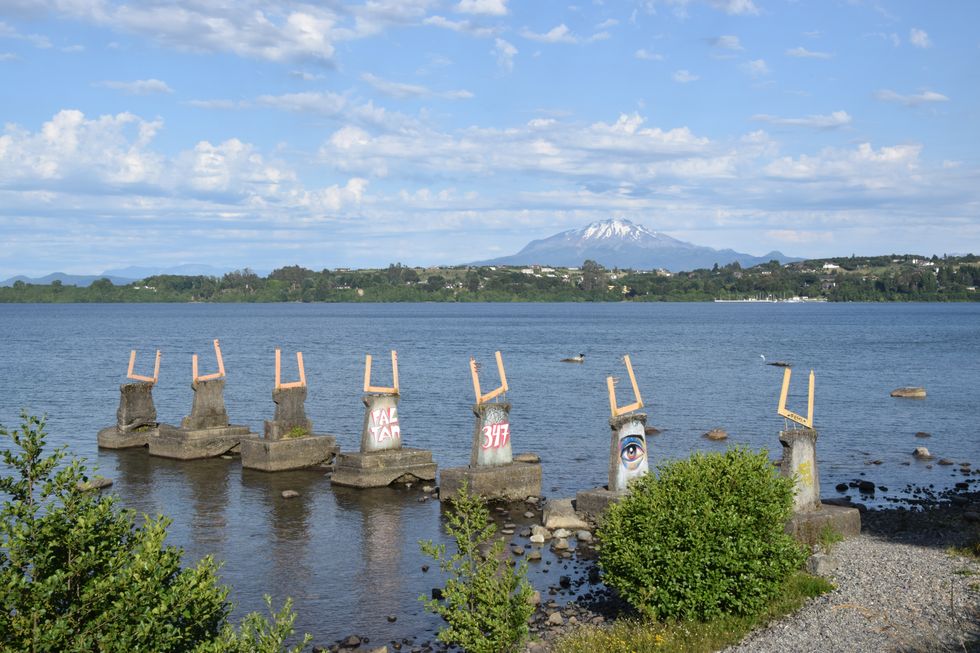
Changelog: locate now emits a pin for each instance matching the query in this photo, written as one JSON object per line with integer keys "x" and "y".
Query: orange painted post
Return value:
{"x": 393, "y": 390}
{"x": 138, "y": 377}
{"x": 614, "y": 406}
{"x": 484, "y": 398}
{"x": 292, "y": 384}
{"x": 221, "y": 366}
{"x": 784, "y": 393}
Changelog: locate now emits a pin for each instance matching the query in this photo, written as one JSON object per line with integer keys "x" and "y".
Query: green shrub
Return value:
{"x": 486, "y": 600}
{"x": 77, "y": 574}
{"x": 702, "y": 538}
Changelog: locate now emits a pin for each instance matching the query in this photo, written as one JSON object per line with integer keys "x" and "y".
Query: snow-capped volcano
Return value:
{"x": 620, "y": 243}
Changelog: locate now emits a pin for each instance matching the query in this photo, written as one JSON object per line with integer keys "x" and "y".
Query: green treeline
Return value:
{"x": 883, "y": 278}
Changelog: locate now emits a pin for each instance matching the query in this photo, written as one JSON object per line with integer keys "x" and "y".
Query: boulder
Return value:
{"x": 922, "y": 453}
{"x": 717, "y": 434}
{"x": 909, "y": 392}
{"x": 559, "y": 513}
{"x": 289, "y": 494}
{"x": 922, "y": 434}
{"x": 821, "y": 564}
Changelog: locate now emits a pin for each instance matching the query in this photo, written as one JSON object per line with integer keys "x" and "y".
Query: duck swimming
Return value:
{"x": 574, "y": 359}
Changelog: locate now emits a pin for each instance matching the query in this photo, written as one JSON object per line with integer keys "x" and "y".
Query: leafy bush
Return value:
{"x": 702, "y": 538}
{"x": 486, "y": 600}
{"x": 76, "y": 574}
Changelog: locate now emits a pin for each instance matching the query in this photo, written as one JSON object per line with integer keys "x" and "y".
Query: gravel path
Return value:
{"x": 898, "y": 589}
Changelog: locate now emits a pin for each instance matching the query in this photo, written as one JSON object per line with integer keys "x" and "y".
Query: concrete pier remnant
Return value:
{"x": 381, "y": 459}
{"x": 288, "y": 440}
{"x": 810, "y": 516}
{"x": 136, "y": 418}
{"x": 204, "y": 433}
{"x": 628, "y": 458}
{"x": 493, "y": 472}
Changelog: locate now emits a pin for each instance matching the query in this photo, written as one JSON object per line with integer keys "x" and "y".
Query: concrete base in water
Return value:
{"x": 515, "y": 481}
{"x": 290, "y": 453}
{"x": 192, "y": 444}
{"x": 593, "y": 503}
{"x": 113, "y": 437}
{"x": 805, "y": 527}
{"x": 382, "y": 468}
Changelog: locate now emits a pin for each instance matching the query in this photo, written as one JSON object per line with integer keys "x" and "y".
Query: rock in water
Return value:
{"x": 922, "y": 453}
{"x": 717, "y": 434}
{"x": 289, "y": 494}
{"x": 909, "y": 392}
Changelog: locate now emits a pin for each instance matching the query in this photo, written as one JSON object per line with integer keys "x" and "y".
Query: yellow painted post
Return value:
{"x": 138, "y": 377}
{"x": 393, "y": 389}
{"x": 784, "y": 393}
{"x": 614, "y": 406}
{"x": 221, "y": 366}
{"x": 484, "y": 398}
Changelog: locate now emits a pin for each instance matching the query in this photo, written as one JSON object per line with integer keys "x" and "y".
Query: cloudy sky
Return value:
{"x": 355, "y": 134}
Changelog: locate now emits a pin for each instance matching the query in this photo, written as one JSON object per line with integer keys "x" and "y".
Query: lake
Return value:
{"x": 350, "y": 558}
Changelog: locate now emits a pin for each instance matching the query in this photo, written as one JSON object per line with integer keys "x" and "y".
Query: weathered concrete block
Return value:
{"x": 208, "y": 410}
{"x": 382, "y": 468}
{"x": 559, "y": 513}
{"x": 382, "y": 429}
{"x": 513, "y": 482}
{"x": 799, "y": 461}
{"x": 136, "y": 407}
{"x": 290, "y": 413}
{"x": 627, "y": 450}
{"x": 591, "y": 504}
{"x": 191, "y": 444}
{"x": 113, "y": 438}
{"x": 290, "y": 453}
{"x": 806, "y": 526}
{"x": 491, "y": 435}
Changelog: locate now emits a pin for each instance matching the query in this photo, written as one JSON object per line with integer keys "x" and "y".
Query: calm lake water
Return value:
{"x": 350, "y": 558}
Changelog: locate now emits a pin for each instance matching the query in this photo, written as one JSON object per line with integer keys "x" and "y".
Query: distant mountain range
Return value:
{"x": 118, "y": 276}
{"x": 621, "y": 243}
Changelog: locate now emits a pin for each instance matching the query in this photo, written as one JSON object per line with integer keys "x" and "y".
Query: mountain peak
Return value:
{"x": 618, "y": 242}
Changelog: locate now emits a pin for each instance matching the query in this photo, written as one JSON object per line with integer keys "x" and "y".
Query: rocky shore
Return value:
{"x": 904, "y": 584}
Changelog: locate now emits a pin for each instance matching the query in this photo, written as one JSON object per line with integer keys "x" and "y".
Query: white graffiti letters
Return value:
{"x": 384, "y": 424}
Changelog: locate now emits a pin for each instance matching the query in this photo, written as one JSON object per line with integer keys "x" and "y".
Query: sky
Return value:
{"x": 436, "y": 132}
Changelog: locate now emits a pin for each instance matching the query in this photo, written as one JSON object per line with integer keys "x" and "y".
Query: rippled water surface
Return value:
{"x": 350, "y": 558}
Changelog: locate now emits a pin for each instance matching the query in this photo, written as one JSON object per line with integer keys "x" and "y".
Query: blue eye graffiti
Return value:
{"x": 632, "y": 452}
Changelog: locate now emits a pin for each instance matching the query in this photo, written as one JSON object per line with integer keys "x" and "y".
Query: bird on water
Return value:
{"x": 774, "y": 363}
{"x": 574, "y": 359}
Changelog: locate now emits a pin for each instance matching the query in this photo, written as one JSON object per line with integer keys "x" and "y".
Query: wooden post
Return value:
{"x": 393, "y": 390}
{"x": 484, "y": 398}
{"x": 614, "y": 406}
{"x": 138, "y": 377}
{"x": 221, "y": 366}
{"x": 292, "y": 384}
{"x": 784, "y": 393}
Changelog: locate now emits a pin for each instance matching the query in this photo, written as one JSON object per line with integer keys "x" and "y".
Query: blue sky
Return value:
{"x": 340, "y": 134}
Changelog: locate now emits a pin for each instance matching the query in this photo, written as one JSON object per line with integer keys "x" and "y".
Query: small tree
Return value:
{"x": 76, "y": 574}
{"x": 486, "y": 600}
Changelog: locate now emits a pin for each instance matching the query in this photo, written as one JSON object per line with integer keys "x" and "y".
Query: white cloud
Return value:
{"x": 402, "y": 90}
{"x": 486, "y": 7}
{"x": 755, "y": 68}
{"x": 305, "y": 75}
{"x": 462, "y": 26}
{"x": 684, "y": 76}
{"x": 925, "y": 97}
{"x": 886, "y": 168}
{"x": 834, "y": 120}
{"x": 727, "y": 42}
{"x": 606, "y": 24}
{"x": 505, "y": 53}
{"x": 8, "y": 56}
{"x": 558, "y": 34}
{"x": 138, "y": 87}
{"x": 803, "y": 53}
{"x": 646, "y": 55}
{"x": 919, "y": 38}
{"x": 37, "y": 40}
